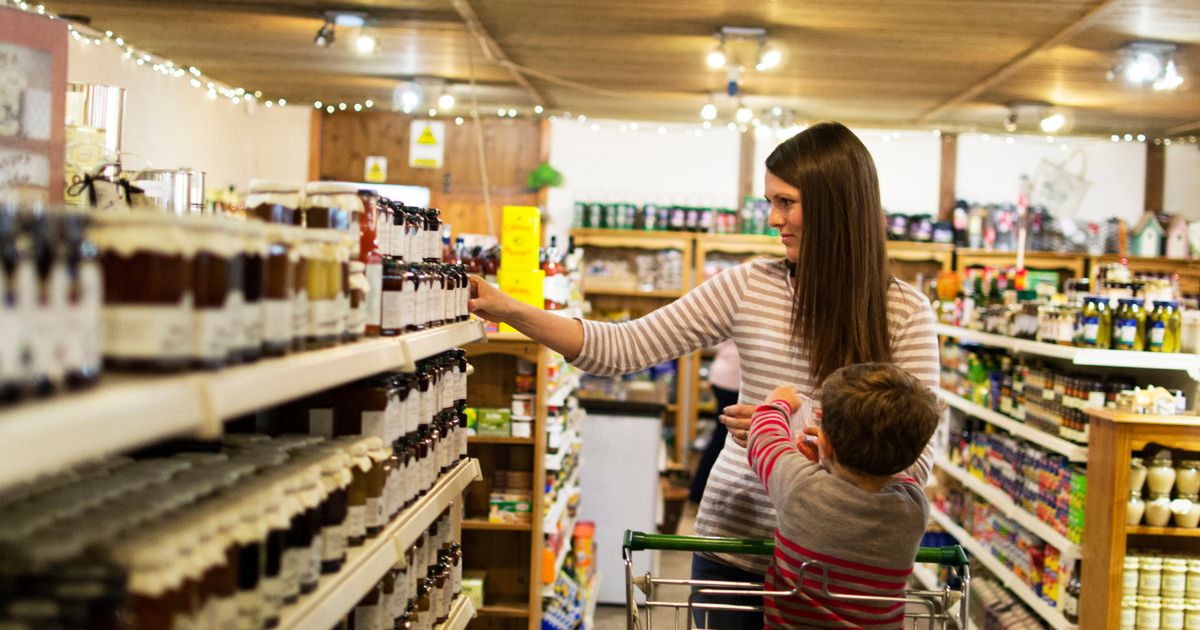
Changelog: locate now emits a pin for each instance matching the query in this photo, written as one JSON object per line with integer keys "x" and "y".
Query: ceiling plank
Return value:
{"x": 1081, "y": 23}
{"x": 379, "y": 15}
{"x": 493, "y": 50}
{"x": 1192, "y": 126}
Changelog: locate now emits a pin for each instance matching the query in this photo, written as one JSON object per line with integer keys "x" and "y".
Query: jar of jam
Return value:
{"x": 215, "y": 314}
{"x": 331, "y": 205}
{"x": 377, "y": 514}
{"x": 254, "y": 280}
{"x": 396, "y": 301}
{"x": 323, "y": 277}
{"x": 358, "y": 286}
{"x": 278, "y": 520}
{"x": 356, "y": 492}
{"x": 278, "y": 289}
{"x": 343, "y": 255}
{"x": 274, "y": 202}
{"x": 147, "y": 264}
{"x": 82, "y": 350}
{"x": 1187, "y": 477}
{"x": 1161, "y": 475}
{"x": 370, "y": 257}
{"x": 336, "y": 478}
{"x": 414, "y": 230}
{"x": 12, "y": 328}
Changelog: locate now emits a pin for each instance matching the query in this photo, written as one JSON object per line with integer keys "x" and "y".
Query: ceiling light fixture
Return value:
{"x": 1053, "y": 122}
{"x": 768, "y": 57}
{"x": 366, "y": 44}
{"x": 744, "y": 114}
{"x": 406, "y": 97}
{"x": 709, "y": 111}
{"x": 446, "y": 101}
{"x": 325, "y": 35}
{"x": 1148, "y": 63}
{"x": 1010, "y": 121}
{"x": 716, "y": 57}
{"x": 1170, "y": 78}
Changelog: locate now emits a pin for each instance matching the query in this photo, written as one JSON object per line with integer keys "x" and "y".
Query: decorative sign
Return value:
{"x": 376, "y": 169}
{"x": 1060, "y": 186}
{"x": 33, "y": 86}
{"x": 427, "y": 144}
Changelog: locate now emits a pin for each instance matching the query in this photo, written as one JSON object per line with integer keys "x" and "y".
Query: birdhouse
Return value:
{"x": 1147, "y": 237}
{"x": 1177, "y": 238}
{"x": 1194, "y": 238}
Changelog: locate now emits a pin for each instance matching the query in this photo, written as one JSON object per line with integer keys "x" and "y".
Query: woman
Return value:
{"x": 831, "y": 303}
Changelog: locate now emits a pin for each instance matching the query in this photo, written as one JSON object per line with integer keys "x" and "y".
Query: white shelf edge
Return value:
{"x": 559, "y": 560}
{"x": 1001, "y": 501}
{"x": 560, "y": 503}
{"x": 1071, "y": 451}
{"x": 564, "y": 392}
{"x": 589, "y": 615}
{"x": 565, "y": 441}
{"x": 461, "y": 614}
{"x": 125, "y": 411}
{"x": 1023, "y": 592}
{"x": 1093, "y": 357}
{"x": 365, "y": 566}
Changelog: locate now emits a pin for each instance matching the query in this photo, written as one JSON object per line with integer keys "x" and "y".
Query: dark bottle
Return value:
{"x": 1071, "y": 596}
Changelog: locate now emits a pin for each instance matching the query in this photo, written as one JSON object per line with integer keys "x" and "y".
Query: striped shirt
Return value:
{"x": 864, "y": 542}
{"x": 751, "y": 304}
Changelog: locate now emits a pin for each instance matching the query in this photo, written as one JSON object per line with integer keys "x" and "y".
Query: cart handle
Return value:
{"x": 952, "y": 556}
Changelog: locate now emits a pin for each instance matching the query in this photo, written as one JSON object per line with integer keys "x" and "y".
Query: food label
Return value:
{"x": 557, "y": 288}
{"x": 252, "y": 324}
{"x": 1148, "y": 617}
{"x": 413, "y": 409}
{"x": 53, "y": 337}
{"x": 87, "y": 314}
{"x": 1157, "y": 332}
{"x": 341, "y": 315}
{"x": 291, "y": 568}
{"x": 397, "y": 310}
{"x": 277, "y": 321}
{"x": 1091, "y": 330}
{"x": 1070, "y": 605}
{"x": 147, "y": 332}
{"x": 224, "y": 612}
{"x": 450, "y": 305}
{"x": 333, "y": 541}
{"x": 272, "y": 592}
{"x": 1171, "y": 618}
{"x": 1127, "y": 332}
{"x": 375, "y": 513}
{"x": 421, "y": 313}
{"x": 320, "y": 422}
{"x": 250, "y": 610}
{"x": 356, "y": 521}
{"x": 367, "y": 616}
{"x": 374, "y": 424}
{"x": 212, "y": 333}
{"x": 374, "y": 294}
{"x": 300, "y": 318}
{"x": 322, "y": 318}
{"x": 437, "y": 305}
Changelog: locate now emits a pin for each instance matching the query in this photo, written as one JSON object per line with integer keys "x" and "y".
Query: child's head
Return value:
{"x": 877, "y": 417}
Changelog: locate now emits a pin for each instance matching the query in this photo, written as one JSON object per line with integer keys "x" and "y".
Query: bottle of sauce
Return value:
{"x": 371, "y": 257}
{"x": 556, "y": 285}
{"x": 1071, "y": 596}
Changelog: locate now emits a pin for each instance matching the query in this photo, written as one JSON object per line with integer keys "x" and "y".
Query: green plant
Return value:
{"x": 544, "y": 175}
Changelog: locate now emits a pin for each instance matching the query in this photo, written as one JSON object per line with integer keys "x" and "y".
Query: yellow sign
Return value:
{"x": 427, "y": 144}
{"x": 376, "y": 169}
{"x": 520, "y": 238}
{"x": 427, "y": 137}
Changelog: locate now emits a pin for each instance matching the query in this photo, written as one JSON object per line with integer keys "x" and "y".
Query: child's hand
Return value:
{"x": 807, "y": 444}
{"x": 786, "y": 393}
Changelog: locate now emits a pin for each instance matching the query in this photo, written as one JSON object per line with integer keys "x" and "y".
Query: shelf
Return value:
{"x": 1176, "y": 532}
{"x": 515, "y": 609}
{"x": 554, "y": 514}
{"x": 555, "y": 461}
{"x": 1090, "y": 357}
{"x": 1071, "y": 451}
{"x": 631, "y": 239}
{"x": 1022, "y": 590}
{"x": 1119, "y": 417}
{"x": 462, "y": 611}
{"x": 498, "y": 439}
{"x": 589, "y": 614}
{"x": 125, "y": 411}
{"x": 483, "y": 525}
{"x": 564, "y": 392}
{"x": 1005, "y": 505}
{"x": 548, "y": 587}
{"x": 365, "y": 566}
{"x": 620, "y": 292}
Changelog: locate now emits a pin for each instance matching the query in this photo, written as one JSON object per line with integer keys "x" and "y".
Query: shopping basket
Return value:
{"x": 932, "y": 609}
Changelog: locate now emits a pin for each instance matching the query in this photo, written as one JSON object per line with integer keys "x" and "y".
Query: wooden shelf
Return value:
{"x": 461, "y": 614}
{"x": 483, "y": 525}
{"x": 125, "y": 412}
{"x": 637, "y": 293}
{"x": 1073, "y": 452}
{"x": 365, "y": 566}
{"x": 1006, "y": 506}
{"x": 498, "y": 439}
{"x": 505, "y": 608}
{"x": 1175, "y": 532}
{"x": 1118, "y": 417}
{"x": 983, "y": 555}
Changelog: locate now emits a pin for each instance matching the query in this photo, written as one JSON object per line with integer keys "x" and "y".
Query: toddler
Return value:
{"x": 843, "y": 498}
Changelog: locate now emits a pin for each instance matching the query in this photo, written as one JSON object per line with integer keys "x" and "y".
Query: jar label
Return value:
{"x": 1127, "y": 332}
{"x": 323, "y": 318}
{"x": 10, "y": 345}
{"x": 1174, "y": 583}
{"x": 250, "y": 609}
{"x": 235, "y": 304}
{"x": 374, "y": 300}
{"x": 1157, "y": 332}
{"x": 356, "y": 521}
{"x": 374, "y": 424}
{"x": 1128, "y": 616}
{"x": 341, "y": 315}
{"x": 450, "y": 304}
{"x": 147, "y": 332}
{"x": 437, "y": 304}
{"x": 1172, "y": 619}
{"x": 1091, "y": 329}
{"x": 50, "y": 344}
{"x": 212, "y": 334}
{"x": 291, "y": 568}
{"x": 1150, "y": 583}
{"x": 393, "y": 422}
{"x": 397, "y": 310}
{"x": 272, "y": 592}
{"x": 300, "y": 319}
{"x": 277, "y": 321}
{"x": 422, "y": 307}
{"x": 252, "y": 324}
{"x": 376, "y": 515}
{"x": 333, "y": 542}
{"x": 367, "y": 616}
{"x": 224, "y": 612}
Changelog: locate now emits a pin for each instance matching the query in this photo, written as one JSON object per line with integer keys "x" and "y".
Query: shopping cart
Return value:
{"x": 942, "y": 609}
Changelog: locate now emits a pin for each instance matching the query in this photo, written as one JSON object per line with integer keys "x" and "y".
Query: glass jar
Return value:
{"x": 1193, "y": 579}
{"x": 1161, "y": 476}
{"x": 358, "y": 287}
{"x": 419, "y": 281}
{"x": 253, "y": 314}
{"x": 1173, "y": 610}
{"x": 1130, "y": 325}
{"x": 370, "y": 255}
{"x": 1186, "y": 509}
{"x": 274, "y": 202}
{"x": 146, "y": 261}
{"x": 1137, "y": 474}
{"x": 1164, "y": 327}
{"x": 377, "y": 515}
{"x": 216, "y": 312}
{"x": 336, "y": 478}
{"x": 1158, "y": 510}
{"x": 397, "y": 302}
{"x": 1187, "y": 477}
{"x": 1129, "y": 613}
{"x": 82, "y": 352}
{"x": 330, "y": 205}
{"x": 1174, "y": 577}
{"x": 1149, "y": 613}
{"x": 1150, "y": 577}
{"x": 323, "y": 277}
{"x": 1191, "y": 614}
{"x": 1129, "y": 576}
{"x": 278, "y": 290}
{"x": 356, "y": 494}
{"x": 1134, "y": 508}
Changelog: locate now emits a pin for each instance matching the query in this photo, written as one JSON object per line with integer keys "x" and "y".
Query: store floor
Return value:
{"x": 672, "y": 564}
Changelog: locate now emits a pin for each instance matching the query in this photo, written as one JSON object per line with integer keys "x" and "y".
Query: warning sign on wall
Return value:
{"x": 427, "y": 144}
{"x": 375, "y": 170}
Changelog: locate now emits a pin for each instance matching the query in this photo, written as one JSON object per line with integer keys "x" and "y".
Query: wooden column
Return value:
{"x": 746, "y": 166}
{"x": 314, "y": 146}
{"x": 1155, "y": 181}
{"x": 949, "y": 173}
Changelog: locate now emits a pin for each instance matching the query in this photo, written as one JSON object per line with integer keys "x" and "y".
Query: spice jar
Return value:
{"x": 1150, "y": 576}
{"x": 1137, "y": 474}
{"x": 1149, "y": 613}
{"x": 1134, "y": 508}
{"x": 1158, "y": 510}
{"x": 1174, "y": 577}
{"x": 215, "y": 313}
{"x": 1186, "y": 509}
{"x": 1129, "y": 576}
{"x": 1161, "y": 476}
{"x": 1187, "y": 477}
{"x": 1173, "y": 611}
{"x": 274, "y": 202}
{"x": 147, "y": 263}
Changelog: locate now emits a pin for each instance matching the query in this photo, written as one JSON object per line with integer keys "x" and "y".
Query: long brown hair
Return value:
{"x": 842, "y": 272}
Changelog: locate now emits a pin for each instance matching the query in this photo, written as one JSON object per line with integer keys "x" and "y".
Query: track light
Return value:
{"x": 1053, "y": 123}
{"x": 1148, "y": 63}
{"x": 325, "y": 35}
{"x": 1170, "y": 78}
{"x": 446, "y": 101}
{"x": 708, "y": 112}
{"x": 744, "y": 114}
{"x": 716, "y": 57}
{"x": 1010, "y": 121}
{"x": 366, "y": 44}
{"x": 768, "y": 57}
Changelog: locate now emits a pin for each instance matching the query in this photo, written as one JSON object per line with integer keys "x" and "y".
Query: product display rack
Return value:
{"x": 1073, "y": 264}
{"x": 461, "y": 614}
{"x": 1070, "y": 450}
{"x": 125, "y": 412}
{"x": 1188, "y": 270}
{"x": 365, "y": 566}
{"x": 1106, "y": 534}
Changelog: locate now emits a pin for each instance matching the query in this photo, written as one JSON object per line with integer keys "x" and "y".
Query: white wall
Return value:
{"x": 990, "y": 168}
{"x": 1182, "y": 180}
{"x": 611, "y": 161}
{"x": 908, "y": 163}
{"x": 170, "y": 124}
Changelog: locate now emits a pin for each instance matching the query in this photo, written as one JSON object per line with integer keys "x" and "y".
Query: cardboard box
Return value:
{"x": 504, "y": 507}
{"x": 473, "y": 585}
{"x": 494, "y": 422}
{"x": 520, "y": 238}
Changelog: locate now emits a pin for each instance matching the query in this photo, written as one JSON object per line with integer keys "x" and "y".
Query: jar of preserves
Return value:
{"x": 277, "y": 298}
{"x": 1129, "y": 576}
{"x": 1134, "y": 508}
{"x": 255, "y": 250}
{"x": 397, "y": 302}
{"x": 1149, "y": 613}
{"x": 1193, "y": 578}
{"x": 1174, "y": 577}
{"x": 1137, "y": 473}
{"x": 358, "y": 287}
{"x": 334, "y": 206}
{"x": 1191, "y": 614}
{"x": 1187, "y": 477}
{"x": 214, "y": 314}
{"x": 377, "y": 514}
{"x": 414, "y": 231}
{"x": 323, "y": 278}
{"x": 336, "y": 478}
{"x": 356, "y": 492}
{"x": 274, "y": 202}
{"x": 1150, "y": 576}
{"x": 81, "y": 350}
{"x": 147, "y": 266}
{"x": 1172, "y": 614}
{"x": 1161, "y": 475}
{"x": 1129, "y": 613}
{"x": 1186, "y": 510}
{"x": 342, "y": 299}
{"x": 420, "y": 282}
{"x": 1158, "y": 510}
{"x": 12, "y": 330}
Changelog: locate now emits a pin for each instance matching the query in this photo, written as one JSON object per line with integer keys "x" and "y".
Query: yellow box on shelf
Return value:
{"x": 520, "y": 239}
{"x": 525, "y": 286}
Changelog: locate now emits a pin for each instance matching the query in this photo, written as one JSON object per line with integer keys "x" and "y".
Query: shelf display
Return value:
{"x": 654, "y": 218}
{"x": 1170, "y": 492}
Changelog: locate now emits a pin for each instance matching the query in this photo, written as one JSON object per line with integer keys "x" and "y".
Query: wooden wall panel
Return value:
{"x": 1156, "y": 161}
{"x": 949, "y": 174}
{"x": 512, "y": 150}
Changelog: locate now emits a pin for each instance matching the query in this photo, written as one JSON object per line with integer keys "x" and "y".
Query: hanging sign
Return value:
{"x": 427, "y": 144}
{"x": 375, "y": 170}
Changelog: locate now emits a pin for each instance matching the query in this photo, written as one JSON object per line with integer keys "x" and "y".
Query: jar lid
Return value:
{"x": 330, "y": 188}
{"x": 1190, "y": 463}
{"x": 1174, "y": 562}
{"x": 1157, "y": 496}
{"x": 1161, "y": 460}
{"x": 1132, "y": 561}
{"x": 1149, "y": 561}
{"x": 271, "y": 186}
{"x": 1136, "y": 461}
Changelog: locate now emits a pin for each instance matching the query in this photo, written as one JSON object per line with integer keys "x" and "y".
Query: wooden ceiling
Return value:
{"x": 894, "y": 63}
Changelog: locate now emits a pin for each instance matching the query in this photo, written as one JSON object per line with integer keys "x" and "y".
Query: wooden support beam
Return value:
{"x": 381, "y": 16}
{"x": 746, "y": 166}
{"x": 1156, "y": 163}
{"x": 1016, "y": 63}
{"x": 314, "y": 146}
{"x": 949, "y": 177}
{"x": 492, "y": 49}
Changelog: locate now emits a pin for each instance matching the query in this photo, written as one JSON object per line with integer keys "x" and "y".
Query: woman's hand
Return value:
{"x": 489, "y": 302}
{"x": 737, "y": 419}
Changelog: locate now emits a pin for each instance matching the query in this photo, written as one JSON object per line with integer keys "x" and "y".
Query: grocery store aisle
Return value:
{"x": 672, "y": 564}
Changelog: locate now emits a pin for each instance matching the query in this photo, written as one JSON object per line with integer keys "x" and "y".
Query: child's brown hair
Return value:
{"x": 877, "y": 417}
